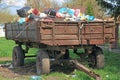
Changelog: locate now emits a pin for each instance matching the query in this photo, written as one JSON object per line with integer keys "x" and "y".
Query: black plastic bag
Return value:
{"x": 51, "y": 12}
{"x": 23, "y": 11}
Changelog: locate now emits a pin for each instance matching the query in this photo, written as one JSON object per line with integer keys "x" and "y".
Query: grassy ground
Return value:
{"x": 119, "y": 37}
{"x": 6, "y": 47}
{"x": 111, "y": 70}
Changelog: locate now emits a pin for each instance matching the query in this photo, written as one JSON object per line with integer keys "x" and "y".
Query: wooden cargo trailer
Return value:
{"x": 55, "y": 38}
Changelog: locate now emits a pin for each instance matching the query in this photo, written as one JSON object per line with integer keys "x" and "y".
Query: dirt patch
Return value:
{"x": 29, "y": 69}
{"x": 7, "y": 70}
{"x": 6, "y": 73}
{"x": 5, "y": 59}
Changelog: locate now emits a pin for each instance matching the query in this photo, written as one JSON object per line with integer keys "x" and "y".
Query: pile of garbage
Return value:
{"x": 27, "y": 14}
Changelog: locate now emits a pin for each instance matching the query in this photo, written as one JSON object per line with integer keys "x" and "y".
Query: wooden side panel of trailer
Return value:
{"x": 77, "y": 33}
{"x": 62, "y": 33}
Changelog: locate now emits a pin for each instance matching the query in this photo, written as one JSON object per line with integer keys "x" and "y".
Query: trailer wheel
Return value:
{"x": 18, "y": 56}
{"x": 42, "y": 62}
{"x": 97, "y": 58}
{"x": 66, "y": 55}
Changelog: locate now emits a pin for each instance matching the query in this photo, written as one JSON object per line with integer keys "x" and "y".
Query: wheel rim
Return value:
{"x": 15, "y": 58}
{"x": 96, "y": 58}
{"x": 92, "y": 60}
{"x": 18, "y": 56}
{"x": 42, "y": 63}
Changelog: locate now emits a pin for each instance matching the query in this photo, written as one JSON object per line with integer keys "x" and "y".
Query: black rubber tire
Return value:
{"x": 42, "y": 62}
{"x": 97, "y": 58}
{"x": 66, "y": 55}
{"x": 18, "y": 56}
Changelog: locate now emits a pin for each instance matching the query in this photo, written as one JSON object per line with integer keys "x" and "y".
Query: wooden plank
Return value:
{"x": 9, "y": 34}
{"x": 97, "y": 41}
{"x": 63, "y": 42}
{"x": 92, "y": 24}
{"x": 109, "y": 36}
{"x": 8, "y": 31}
{"x": 66, "y": 42}
{"x": 92, "y": 36}
{"x": 46, "y": 31}
{"x": 60, "y": 37}
{"x": 66, "y": 37}
{"x": 47, "y": 42}
{"x": 109, "y": 30}
{"x": 31, "y": 32}
{"x": 65, "y": 29}
{"x": 92, "y": 29}
{"x": 46, "y": 37}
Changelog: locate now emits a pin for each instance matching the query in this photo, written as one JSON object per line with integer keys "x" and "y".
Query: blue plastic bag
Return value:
{"x": 22, "y": 20}
{"x": 91, "y": 18}
{"x": 71, "y": 12}
{"x": 66, "y": 10}
{"x": 63, "y": 10}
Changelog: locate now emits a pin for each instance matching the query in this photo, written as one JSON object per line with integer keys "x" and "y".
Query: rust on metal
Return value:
{"x": 86, "y": 70}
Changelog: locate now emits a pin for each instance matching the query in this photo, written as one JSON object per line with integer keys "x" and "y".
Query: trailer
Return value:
{"x": 55, "y": 38}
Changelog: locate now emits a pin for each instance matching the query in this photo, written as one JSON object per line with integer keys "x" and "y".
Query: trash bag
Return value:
{"x": 91, "y": 18}
{"x": 71, "y": 12}
{"x": 23, "y": 11}
{"x": 51, "y": 12}
{"x": 63, "y": 11}
{"x": 43, "y": 15}
{"x": 60, "y": 15}
{"x": 35, "y": 11}
{"x": 21, "y": 20}
{"x": 32, "y": 16}
{"x": 77, "y": 12}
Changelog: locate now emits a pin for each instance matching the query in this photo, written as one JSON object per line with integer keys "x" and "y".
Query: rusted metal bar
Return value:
{"x": 75, "y": 63}
{"x": 86, "y": 70}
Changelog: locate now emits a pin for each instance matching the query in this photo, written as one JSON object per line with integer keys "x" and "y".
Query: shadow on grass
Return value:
{"x": 29, "y": 67}
{"x": 66, "y": 69}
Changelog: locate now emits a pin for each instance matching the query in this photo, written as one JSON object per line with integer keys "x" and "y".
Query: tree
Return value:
{"x": 112, "y": 5}
{"x": 89, "y": 9}
{"x": 91, "y": 6}
{"x": 42, "y": 4}
{"x": 6, "y": 17}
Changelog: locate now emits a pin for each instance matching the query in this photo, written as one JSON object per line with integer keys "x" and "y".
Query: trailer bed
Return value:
{"x": 58, "y": 33}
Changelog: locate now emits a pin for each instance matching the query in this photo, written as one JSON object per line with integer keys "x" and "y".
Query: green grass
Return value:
{"x": 119, "y": 39}
{"x": 6, "y": 47}
{"x": 111, "y": 70}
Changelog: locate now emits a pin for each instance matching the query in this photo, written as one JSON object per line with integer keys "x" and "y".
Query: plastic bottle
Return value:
{"x": 36, "y": 78}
